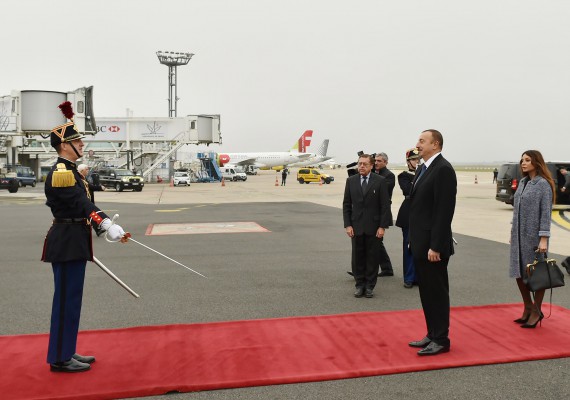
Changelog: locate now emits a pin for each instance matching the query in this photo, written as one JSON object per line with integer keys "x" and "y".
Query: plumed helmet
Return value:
{"x": 66, "y": 132}
{"x": 412, "y": 154}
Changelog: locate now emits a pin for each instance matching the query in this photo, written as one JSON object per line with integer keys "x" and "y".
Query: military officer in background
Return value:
{"x": 68, "y": 244}
{"x": 405, "y": 179}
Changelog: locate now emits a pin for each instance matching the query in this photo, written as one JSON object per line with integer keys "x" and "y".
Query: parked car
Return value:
{"x": 8, "y": 180}
{"x": 181, "y": 178}
{"x": 24, "y": 175}
{"x": 510, "y": 175}
{"x": 119, "y": 179}
{"x": 307, "y": 175}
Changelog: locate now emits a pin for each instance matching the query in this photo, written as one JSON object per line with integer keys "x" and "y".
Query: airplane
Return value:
{"x": 268, "y": 160}
{"x": 319, "y": 157}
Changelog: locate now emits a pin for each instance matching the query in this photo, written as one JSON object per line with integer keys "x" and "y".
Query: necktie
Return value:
{"x": 422, "y": 170}
{"x": 364, "y": 183}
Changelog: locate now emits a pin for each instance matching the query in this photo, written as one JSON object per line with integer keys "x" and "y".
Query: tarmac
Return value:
{"x": 296, "y": 268}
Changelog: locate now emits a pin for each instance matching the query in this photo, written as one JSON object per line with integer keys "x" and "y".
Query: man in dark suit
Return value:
{"x": 432, "y": 204}
{"x": 365, "y": 214}
{"x": 380, "y": 168}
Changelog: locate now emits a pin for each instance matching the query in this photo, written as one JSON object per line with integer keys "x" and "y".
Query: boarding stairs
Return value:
{"x": 178, "y": 142}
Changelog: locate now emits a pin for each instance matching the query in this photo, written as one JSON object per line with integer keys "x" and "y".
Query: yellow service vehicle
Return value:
{"x": 307, "y": 175}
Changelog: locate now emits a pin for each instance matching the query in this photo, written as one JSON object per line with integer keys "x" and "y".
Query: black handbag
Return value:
{"x": 543, "y": 274}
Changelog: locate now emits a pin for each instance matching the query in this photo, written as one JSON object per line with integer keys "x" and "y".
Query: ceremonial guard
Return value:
{"x": 68, "y": 244}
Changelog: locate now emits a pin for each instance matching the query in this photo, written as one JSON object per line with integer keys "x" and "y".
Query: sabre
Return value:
{"x": 127, "y": 236}
{"x": 114, "y": 277}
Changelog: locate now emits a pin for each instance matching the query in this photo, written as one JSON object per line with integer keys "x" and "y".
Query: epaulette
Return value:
{"x": 62, "y": 177}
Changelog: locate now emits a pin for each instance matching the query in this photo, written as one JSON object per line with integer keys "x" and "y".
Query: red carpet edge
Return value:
{"x": 221, "y": 355}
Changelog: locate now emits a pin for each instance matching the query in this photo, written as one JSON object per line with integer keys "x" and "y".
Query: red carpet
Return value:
{"x": 153, "y": 360}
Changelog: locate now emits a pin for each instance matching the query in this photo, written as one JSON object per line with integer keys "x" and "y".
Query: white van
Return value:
{"x": 230, "y": 174}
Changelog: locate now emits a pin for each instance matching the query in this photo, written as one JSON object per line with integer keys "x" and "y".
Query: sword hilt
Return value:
{"x": 125, "y": 237}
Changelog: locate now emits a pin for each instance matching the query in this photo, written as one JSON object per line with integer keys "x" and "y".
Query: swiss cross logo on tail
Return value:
{"x": 305, "y": 141}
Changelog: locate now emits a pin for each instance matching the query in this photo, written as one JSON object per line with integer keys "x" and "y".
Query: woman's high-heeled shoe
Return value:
{"x": 523, "y": 320}
{"x": 532, "y": 326}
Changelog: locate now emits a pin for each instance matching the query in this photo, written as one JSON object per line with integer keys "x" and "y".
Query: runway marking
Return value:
{"x": 561, "y": 220}
{"x": 204, "y": 228}
{"x": 181, "y": 208}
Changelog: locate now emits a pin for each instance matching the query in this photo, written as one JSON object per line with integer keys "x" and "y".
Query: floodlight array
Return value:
{"x": 172, "y": 58}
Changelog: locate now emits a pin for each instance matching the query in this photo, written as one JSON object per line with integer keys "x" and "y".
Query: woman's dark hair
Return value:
{"x": 537, "y": 161}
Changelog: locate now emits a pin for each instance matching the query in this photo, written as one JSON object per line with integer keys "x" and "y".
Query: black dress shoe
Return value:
{"x": 432, "y": 349}
{"x": 359, "y": 292}
{"x": 386, "y": 273}
{"x": 83, "y": 359}
{"x": 71, "y": 365}
{"x": 369, "y": 293}
{"x": 420, "y": 343}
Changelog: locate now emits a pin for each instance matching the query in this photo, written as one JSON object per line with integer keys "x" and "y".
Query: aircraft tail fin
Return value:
{"x": 303, "y": 142}
{"x": 322, "y": 151}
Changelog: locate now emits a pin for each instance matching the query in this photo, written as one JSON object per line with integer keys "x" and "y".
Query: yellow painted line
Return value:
{"x": 559, "y": 219}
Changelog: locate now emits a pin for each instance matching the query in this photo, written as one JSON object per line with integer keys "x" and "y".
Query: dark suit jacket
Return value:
{"x": 432, "y": 204}
{"x": 366, "y": 212}
{"x": 92, "y": 189}
{"x": 390, "y": 183}
{"x": 390, "y": 179}
{"x": 405, "y": 180}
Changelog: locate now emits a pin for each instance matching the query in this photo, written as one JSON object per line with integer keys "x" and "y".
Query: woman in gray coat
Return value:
{"x": 531, "y": 228}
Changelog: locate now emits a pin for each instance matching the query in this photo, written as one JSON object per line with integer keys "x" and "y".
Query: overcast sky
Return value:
{"x": 492, "y": 75}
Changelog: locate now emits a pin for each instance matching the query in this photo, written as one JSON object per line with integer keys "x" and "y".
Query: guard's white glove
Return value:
{"x": 114, "y": 231}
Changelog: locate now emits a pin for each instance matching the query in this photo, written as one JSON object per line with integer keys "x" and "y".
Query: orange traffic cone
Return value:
{"x": 172, "y": 182}
{"x": 223, "y": 181}
{"x": 476, "y": 179}
{"x": 276, "y": 181}
{"x": 321, "y": 182}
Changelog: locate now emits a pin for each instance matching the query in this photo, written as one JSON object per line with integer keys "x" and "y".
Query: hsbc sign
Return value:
{"x": 110, "y": 131}
{"x": 139, "y": 129}
{"x": 105, "y": 128}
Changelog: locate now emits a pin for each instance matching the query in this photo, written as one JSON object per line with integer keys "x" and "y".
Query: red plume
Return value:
{"x": 66, "y": 109}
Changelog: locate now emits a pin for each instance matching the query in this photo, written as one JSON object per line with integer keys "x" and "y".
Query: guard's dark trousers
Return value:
{"x": 66, "y": 309}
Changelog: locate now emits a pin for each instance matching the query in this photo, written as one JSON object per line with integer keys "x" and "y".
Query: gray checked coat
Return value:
{"x": 531, "y": 220}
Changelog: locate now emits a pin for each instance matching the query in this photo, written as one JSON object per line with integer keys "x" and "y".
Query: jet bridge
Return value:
{"x": 147, "y": 144}
{"x": 29, "y": 114}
